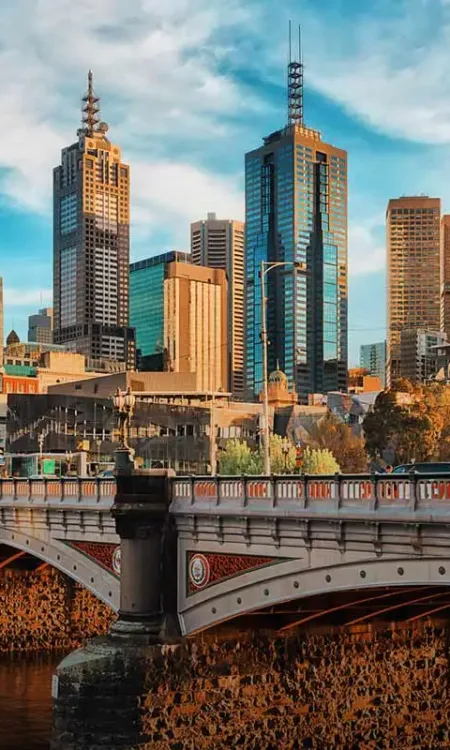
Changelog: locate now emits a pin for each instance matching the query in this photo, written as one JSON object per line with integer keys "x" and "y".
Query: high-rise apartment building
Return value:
{"x": 296, "y": 213}
{"x": 1, "y": 321}
{"x": 372, "y": 357}
{"x": 91, "y": 234}
{"x": 196, "y": 325}
{"x": 40, "y": 326}
{"x": 147, "y": 305}
{"x": 413, "y": 250}
{"x": 419, "y": 353}
{"x": 445, "y": 274}
{"x": 219, "y": 243}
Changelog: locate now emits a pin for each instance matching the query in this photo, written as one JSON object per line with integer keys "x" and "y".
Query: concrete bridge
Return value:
{"x": 247, "y": 546}
{"x": 68, "y": 524}
{"x": 250, "y": 564}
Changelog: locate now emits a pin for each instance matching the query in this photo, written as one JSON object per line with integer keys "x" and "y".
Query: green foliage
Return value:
{"x": 337, "y": 437}
{"x": 319, "y": 461}
{"x": 238, "y": 458}
{"x": 282, "y": 455}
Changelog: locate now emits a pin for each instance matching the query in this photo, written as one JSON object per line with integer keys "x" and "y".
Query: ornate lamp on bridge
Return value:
{"x": 124, "y": 403}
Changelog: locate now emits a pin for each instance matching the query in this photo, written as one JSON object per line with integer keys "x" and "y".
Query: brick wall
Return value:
{"x": 345, "y": 691}
{"x": 47, "y": 610}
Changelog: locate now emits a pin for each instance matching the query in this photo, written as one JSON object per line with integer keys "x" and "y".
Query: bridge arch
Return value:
{"x": 290, "y": 580}
{"x": 68, "y": 560}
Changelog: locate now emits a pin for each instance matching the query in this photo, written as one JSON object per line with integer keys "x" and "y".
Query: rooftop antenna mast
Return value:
{"x": 90, "y": 108}
{"x": 295, "y": 82}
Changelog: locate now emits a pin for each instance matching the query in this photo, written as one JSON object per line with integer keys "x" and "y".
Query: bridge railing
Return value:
{"x": 65, "y": 491}
{"x": 339, "y": 490}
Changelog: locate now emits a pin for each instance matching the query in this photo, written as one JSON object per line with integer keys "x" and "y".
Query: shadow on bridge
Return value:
{"x": 378, "y": 608}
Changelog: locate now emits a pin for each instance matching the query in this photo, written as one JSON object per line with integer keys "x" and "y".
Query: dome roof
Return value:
{"x": 12, "y": 338}
{"x": 278, "y": 377}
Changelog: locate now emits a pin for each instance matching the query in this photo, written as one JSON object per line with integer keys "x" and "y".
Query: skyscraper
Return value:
{"x": 1, "y": 321}
{"x": 147, "y": 305}
{"x": 372, "y": 357}
{"x": 445, "y": 274}
{"x": 195, "y": 324}
{"x": 91, "y": 243}
{"x": 413, "y": 250}
{"x": 40, "y": 326}
{"x": 219, "y": 243}
{"x": 296, "y": 212}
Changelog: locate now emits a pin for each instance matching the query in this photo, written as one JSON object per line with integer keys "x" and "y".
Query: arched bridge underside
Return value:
{"x": 66, "y": 558}
{"x": 67, "y": 525}
{"x": 283, "y": 552}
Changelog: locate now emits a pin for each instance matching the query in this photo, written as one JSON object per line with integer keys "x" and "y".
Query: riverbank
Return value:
{"x": 46, "y": 611}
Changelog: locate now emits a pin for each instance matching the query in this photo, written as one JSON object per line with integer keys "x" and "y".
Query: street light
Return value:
{"x": 266, "y": 266}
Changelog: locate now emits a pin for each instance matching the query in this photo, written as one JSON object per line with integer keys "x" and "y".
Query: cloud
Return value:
{"x": 390, "y": 68}
{"x": 23, "y": 298}
{"x": 158, "y": 68}
{"x": 367, "y": 251}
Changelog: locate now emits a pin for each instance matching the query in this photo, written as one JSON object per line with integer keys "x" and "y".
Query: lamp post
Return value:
{"x": 124, "y": 403}
{"x": 267, "y": 266}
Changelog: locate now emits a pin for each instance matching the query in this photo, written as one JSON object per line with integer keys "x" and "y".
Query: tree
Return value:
{"x": 319, "y": 461}
{"x": 337, "y": 437}
{"x": 383, "y": 424}
{"x": 282, "y": 455}
{"x": 413, "y": 428}
{"x": 238, "y": 458}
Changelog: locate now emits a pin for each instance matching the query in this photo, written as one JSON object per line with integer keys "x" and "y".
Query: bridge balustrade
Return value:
{"x": 71, "y": 490}
{"x": 340, "y": 490}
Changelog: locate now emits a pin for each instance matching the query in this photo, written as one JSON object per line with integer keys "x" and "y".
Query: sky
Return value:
{"x": 188, "y": 86}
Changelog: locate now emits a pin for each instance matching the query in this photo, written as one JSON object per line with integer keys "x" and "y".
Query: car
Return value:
{"x": 106, "y": 474}
{"x": 438, "y": 467}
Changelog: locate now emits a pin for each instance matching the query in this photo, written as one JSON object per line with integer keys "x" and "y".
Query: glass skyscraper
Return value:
{"x": 147, "y": 300}
{"x": 296, "y": 212}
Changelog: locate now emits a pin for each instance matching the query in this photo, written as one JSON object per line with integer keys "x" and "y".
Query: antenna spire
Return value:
{"x": 90, "y": 109}
{"x": 295, "y": 82}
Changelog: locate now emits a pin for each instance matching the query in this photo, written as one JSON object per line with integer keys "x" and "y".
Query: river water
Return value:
{"x": 25, "y": 701}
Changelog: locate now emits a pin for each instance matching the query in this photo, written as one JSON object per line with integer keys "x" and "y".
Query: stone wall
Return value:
{"x": 47, "y": 610}
{"x": 350, "y": 691}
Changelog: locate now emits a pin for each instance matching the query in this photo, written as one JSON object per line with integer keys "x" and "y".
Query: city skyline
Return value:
{"x": 387, "y": 156}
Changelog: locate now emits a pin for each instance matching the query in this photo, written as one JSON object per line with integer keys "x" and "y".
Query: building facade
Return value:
{"x": 419, "y": 353}
{"x": 40, "y": 326}
{"x": 296, "y": 213}
{"x": 196, "y": 324}
{"x": 91, "y": 234}
{"x": 372, "y": 357}
{"x": 445, "y": 274}
{"x": 219, "y": 243}
{"x": 1, "y": 321}
{"x": 147, "y": 302}
{"x": 414, "y": 287}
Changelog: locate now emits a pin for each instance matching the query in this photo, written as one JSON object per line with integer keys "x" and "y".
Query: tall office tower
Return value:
{"x": 445, "y": 274}
{"x": 296, "y": 212}
{"x": 147, "y": 306}
{"x": 92, "y": 243}
{"x": 413, "y": 249}
{"x": 372, "y": 357}
{"x": 40, "y": 326}
{"x": 1, "y": 322}
{"x": 219, "y": 243}
{"x": 196, "y": 325}
{"x": 419, "y": 353}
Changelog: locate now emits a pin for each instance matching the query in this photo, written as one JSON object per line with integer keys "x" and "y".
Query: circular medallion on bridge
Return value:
{"x": 199, "y": 571}
{"x": 116, "y": 561}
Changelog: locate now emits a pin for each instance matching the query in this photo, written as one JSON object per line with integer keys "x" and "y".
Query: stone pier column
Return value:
{"x": 97, "y": 690}
{"x": 148, "y": 554}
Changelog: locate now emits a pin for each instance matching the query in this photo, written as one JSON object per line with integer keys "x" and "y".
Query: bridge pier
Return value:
{"x": 97, "y": 689}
